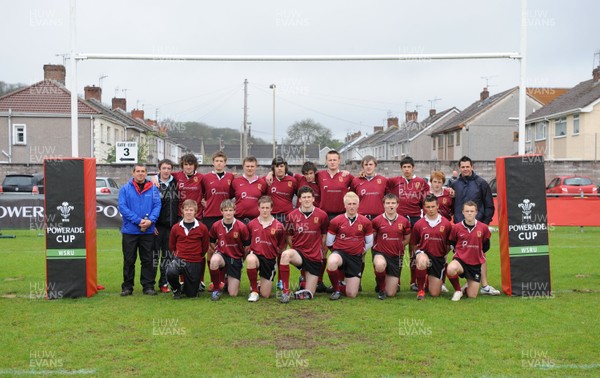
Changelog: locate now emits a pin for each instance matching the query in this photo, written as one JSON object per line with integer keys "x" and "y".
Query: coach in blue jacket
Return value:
{"x": 139, "y": 204}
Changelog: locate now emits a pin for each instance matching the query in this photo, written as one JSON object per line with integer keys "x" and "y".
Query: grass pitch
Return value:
{"x": 156, "y": 336}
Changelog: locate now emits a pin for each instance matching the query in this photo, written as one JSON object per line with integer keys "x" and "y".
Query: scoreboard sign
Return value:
{"x": 523, "y": 226}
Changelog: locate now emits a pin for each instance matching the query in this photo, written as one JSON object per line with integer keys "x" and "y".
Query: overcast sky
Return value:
{"x": 344, "y": 96}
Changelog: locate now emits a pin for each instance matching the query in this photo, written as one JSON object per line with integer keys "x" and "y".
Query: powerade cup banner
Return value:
{"x": 65, "y": 228}
{"x": 523, "y": 225}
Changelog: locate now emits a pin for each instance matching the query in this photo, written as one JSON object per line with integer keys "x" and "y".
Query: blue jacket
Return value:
{"x": 473, "y": 188}
{"x": 135, "y": 205}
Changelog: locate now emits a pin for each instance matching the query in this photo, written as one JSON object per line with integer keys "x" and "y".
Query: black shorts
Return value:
{"x": 281, "y": 217}
{"x": 333, "y": 215}
{"x": 471, "y": 272}
{"x": 393, "y": 264}
{"x": 312, "y": 267}
{"x": 351, "y": 264}
{"x": 233, "y": 266}
{"x": 412, "y": 220}
{"x": 209, "y": 221}
{"x": 266, "y": 268}
{"x": 437, "y": 266}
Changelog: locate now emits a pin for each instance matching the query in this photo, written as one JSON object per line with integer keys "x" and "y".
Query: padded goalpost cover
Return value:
{"x": 70, "y": 219}
{"x": 523, "y": 226}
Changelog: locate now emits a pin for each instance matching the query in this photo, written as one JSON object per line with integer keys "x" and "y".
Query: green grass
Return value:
{"x": 150, "y": 336}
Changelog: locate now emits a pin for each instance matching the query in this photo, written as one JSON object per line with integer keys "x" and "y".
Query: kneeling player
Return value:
{"x": 228, "y": 237}
{"x": 307, "y": 229}
{"x": 430, "y": 236}
{"x": 471, "y": 239}
{"x": 392, "y": 233}
{"x": 267, "y": 237}
{"x": 189, "y": 243}
{"x": 350, "y": 235}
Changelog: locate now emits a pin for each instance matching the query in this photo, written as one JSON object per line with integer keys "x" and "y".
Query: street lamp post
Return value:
{"x": 274, "y": 87}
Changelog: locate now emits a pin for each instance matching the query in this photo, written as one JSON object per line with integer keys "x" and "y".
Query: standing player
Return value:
{"x": 189, "y": 243}
{"x": 471, "y": 239}
{"x": 228, "y": 239}
{"x": 334, "y": 185}
{"x": 307, "y": 229}
{"x": 370, "y": 188}
{"x": 430, "y": 236}
{"x": 246, "y": 190}
{"x": 216, "y": 187}
{"x": 282, "y": 189}
{"x": 445, "y": 200}
{"x": 267, "y": 237}
{"x": 189, "y": 187}
{"x": 167, "y": 186}
{"x": 411, "y": 191}
{"x": 392, "y": 234}
{"x": 309, "y": 178}
{"x": 470, "y": 187}
{"x": 350, "y": 235}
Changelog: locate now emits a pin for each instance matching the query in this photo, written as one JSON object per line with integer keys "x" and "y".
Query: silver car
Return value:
{"x": 106, "y": 185}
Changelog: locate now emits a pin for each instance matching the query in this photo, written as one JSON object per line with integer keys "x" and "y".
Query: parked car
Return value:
{"x": 492, "y": 184}
{"x": 571, "y": 185}
{"x": 27, "y": 183}
{"x": 106, "y": 185}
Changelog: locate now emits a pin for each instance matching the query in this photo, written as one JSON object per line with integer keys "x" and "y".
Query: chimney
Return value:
{"x": 596, "y": 74}
{"x": 93, "y": 92}
{"x": 392, "y": 121}
{"x": 377, "y": 129}
{"x": 432, "y": 112}
{"x": 120, "y": 103}
{"x": 412, "y": 116}
{"x": 55, "y": 72}
{"x": 137, "y": 113}
{"x": 484, "y": 94}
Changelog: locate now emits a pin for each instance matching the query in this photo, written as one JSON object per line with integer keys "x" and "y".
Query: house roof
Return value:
{"x": 546, "y": 95}
{"x": 46, "y": 96}
{"x": 472, "y": 111}
{"x": 410, "y": 130}
{"x": 583, "y": 94}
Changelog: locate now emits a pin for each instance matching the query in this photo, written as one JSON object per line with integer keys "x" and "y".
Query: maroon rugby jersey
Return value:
{"x": 189, "y": 245}
{"x": 307, "y": 232}
{"x": 301, "y": 180}
{"x": 282, "y": 192}
{"x": 189, "y": 188}
{"x": 333, "y": 190}
{"x": 445, "y": 203}
{"x": 411, "y": 193}
{"x": 469, "y": 244}
{"x": 433, "y": 240}
{"x": 230, "y": 243}
{"x": 370, "y": 192}
{"x": 267, "y": 241}
{"x": 216, "y": 189}
{"x": 390, "y": 235}
{"x": 350, "y": 238}
{"x": 246, "y": 193}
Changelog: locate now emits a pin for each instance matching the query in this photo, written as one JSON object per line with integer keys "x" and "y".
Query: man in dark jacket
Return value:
{"x": 139, "y": 204}
{"x": 167, "y": 186}
{"x": 470, "y": 187}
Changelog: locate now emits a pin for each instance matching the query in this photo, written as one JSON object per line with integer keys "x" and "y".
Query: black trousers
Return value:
{"x": 191, "y": 276}
{"x": 131, "y": 245}
{"x": 162, "y": 252}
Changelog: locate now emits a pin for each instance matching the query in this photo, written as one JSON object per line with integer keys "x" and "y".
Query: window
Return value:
{"x": 440, "y": 142}
{"x": 576, "y": 124}
{"x": 450, "y": 139}
{"x": 528, "y": 134}
{"x": 540, "y": 131}
{"x": 102, "y": 136}
{"x": 19, "y": 134}
{"x": 560, "y": 127}
{"x": 433, "y": 142}
{"x": 109, "y": 135}
{"x": 457, "y": 142}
